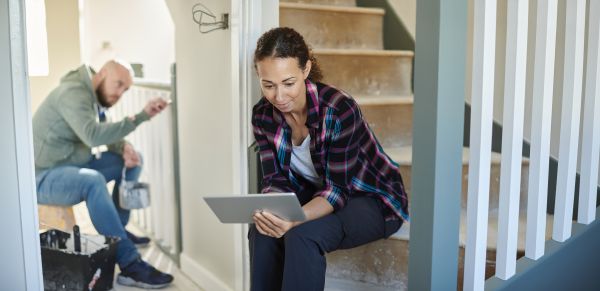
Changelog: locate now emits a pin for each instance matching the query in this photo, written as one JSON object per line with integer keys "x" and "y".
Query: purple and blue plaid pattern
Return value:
{"x": 344, "y": 151}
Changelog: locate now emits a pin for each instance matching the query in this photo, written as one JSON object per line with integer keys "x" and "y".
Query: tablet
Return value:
{"x": 240, "y": 209}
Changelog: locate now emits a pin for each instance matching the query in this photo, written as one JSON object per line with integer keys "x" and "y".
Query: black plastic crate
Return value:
{"x": 92, "y": 268}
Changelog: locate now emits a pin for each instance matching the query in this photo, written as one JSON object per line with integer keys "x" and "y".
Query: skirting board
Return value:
{"x": 201, "y": 276}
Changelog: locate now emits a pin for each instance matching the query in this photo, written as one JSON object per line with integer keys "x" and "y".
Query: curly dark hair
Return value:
{"x": 285, "y": 42}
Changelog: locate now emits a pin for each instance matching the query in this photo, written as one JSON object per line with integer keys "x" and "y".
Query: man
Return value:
{"x": 66, "y": 126}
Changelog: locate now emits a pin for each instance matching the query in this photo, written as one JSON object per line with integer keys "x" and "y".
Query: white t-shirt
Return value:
{"x": 302, "y": 164}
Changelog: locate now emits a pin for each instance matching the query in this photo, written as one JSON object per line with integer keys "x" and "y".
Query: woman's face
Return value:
{"x": 282, "y": 83}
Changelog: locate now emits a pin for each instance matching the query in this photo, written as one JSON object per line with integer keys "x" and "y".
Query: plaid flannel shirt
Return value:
{"x": 344, "y": 151}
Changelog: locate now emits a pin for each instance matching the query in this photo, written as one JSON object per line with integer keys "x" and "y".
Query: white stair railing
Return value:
{"x": 591, "y": 123}
{"x": 512, "y": 138}
{"x": 484, "y": 45}
{"x": 543, "y": 88}
{"x": 513, "y": 123}
{"x": 155, "y": 140}
{"x": 569, "y": 129}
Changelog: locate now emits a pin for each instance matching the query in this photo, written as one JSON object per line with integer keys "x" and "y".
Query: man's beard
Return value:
{"x": 101, "y": 96}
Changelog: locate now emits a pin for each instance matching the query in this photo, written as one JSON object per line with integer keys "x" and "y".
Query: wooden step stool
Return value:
{"x": 57, "y": 217}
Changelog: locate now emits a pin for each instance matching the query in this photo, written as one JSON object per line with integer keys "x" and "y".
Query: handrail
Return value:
{"x": 152, "y": 84}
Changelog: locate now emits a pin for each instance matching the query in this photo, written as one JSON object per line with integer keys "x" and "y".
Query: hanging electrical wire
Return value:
{"x": 200, "y": 12}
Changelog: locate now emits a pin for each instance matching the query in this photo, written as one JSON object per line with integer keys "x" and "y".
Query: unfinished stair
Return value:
{"x": 325, "y": 26}
{"x": 368, "y": 72}
{"x": 385, "y": 262}
{"x": 348, "y": 44}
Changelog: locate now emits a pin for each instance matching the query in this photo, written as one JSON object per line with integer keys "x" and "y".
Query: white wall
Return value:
{"x": 138, "y": 31}
{"x": 62, "y": 24}
{"x": 209, "y": 144}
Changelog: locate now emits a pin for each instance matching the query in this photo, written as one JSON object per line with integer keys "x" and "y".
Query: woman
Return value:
{"x": 314, "y": 142}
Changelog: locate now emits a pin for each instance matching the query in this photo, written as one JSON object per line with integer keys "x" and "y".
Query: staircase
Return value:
{"x": 348, "y": 43}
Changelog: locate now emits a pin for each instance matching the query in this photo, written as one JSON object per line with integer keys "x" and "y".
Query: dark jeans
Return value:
{"x": 297, "y": 260}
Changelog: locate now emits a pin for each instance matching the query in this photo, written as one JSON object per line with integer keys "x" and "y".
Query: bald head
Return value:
{"x": 119, "y": 68}
{"x": 113, "y": 79}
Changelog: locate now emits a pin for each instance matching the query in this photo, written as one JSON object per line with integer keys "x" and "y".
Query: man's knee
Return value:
{"x": 92, "y": 180}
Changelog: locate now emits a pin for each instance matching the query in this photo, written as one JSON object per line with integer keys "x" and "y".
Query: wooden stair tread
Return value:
{"x": 343, "y": 3}
{"x": 384, "y": 100}
{"x": 403, "y": 156}
{"x": 492, "y": 237}
{"x": 364, "y": 52}
{"x": 332, "y": 8}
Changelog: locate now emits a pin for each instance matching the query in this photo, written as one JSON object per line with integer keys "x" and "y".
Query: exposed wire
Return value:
{"x": 199, "y": 11}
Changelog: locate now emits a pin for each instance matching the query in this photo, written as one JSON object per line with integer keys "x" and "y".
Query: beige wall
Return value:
{"x": 407, "y": 12}
{"x": 62, "y": 21}
{"x": 138, "y": 31}
{"x": 207, "y": 145}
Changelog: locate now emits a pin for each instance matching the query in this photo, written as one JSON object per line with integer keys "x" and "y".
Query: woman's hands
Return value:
{"x": 271, "y": 225}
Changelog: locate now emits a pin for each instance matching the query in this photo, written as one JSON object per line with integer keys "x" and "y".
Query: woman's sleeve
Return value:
{"x": 346, "y": 129}
{"x": 273, "y": 180}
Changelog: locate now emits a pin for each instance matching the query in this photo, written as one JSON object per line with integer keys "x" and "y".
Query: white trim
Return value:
{"x": 591, "y": 123}
{"x": 249, "y": 20}
{"x": 484, "y": 47}
{"x": 24, "y": 147}
{"x": 201, "y": 276}
{"x": 512, "y": 138}
{"x": 570, "y": 116}
{"x": 543, "y": 80}
{"x": 239, "y": 123}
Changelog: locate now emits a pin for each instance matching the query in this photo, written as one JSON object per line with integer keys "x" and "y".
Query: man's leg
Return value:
{"x": 266, "y": 261}
{"x": 360, "y": 222}
{"x": 71, "y": 185}
{"x": 111, "y": 166}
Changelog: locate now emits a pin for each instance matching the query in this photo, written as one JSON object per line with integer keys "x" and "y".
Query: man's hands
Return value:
{"x": 130, "y": 156}
{"x": 271, "y": 225}
{"x": 155, "y": 106}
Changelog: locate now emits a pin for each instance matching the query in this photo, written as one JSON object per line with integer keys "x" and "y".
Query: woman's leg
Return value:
{"x": 363, "y": 222}
{"x": 305, "y": 249}
{"x": 360, "y": 222}
{"x": 266, "y": 261}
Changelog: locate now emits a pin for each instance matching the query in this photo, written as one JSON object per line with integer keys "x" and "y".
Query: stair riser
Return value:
{"x": 368, "y": 75}
{"x": 331, "y": 29}
{"x": 385, "y": 263}
{"x": 324, "y": 2}
{"x": 392, "y": 124}
{"x": 405, "y": 171}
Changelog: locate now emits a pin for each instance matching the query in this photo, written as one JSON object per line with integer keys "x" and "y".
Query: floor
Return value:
{"x": 151, "y": 254}
{"x": 334, "y": 284}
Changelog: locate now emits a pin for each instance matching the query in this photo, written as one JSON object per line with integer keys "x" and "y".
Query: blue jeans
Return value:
{"x": 69, "y": 185}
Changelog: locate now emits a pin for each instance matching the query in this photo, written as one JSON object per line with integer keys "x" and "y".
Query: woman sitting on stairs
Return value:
{"x": 314, "y": 142}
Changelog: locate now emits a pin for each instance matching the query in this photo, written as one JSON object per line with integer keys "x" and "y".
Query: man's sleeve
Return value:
{"x": 117, "y": 147}
{"x": 79, "y": 113}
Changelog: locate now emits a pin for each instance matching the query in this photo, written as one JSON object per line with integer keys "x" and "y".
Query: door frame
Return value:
{"x": 22, "y": 265}
{"x": 249, "y": 20}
